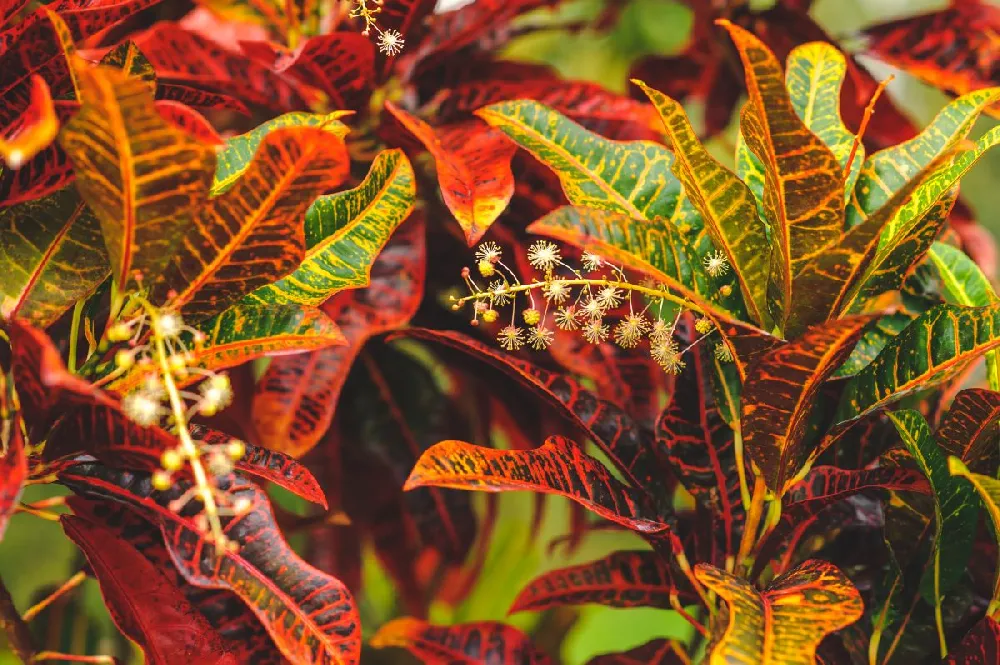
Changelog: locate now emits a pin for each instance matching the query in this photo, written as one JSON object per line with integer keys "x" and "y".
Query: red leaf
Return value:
{"x": 466, "y": 644}
{"x": 199, "y": 98}
{"x": 622, "y": 579}
{"x": 310, "y": 616}
{"x": 405, "y": 17}
{"x": 13, "y": 469}
{"x": 473, "y": 165}
{"x": 981, "y": 645}
{"x": 295, "y": 399}
{"x": 826, "y": 484}
{"x": 145, "y": 605}
{"x": 656, "y": 652}
{"x": 341, "y": 64}
{"x": 969, "y": 428}
{"x": 188, "y": 120}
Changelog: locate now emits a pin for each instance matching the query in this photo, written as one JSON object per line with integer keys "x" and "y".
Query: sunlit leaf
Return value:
{"x": 726, "y": 205}
{"x": 784, "y": 623}
{"x": 970, "y": 429}
{"x": 52, "y": 253}
{"x": 345, "y": 232}
{"x": 473, "y": 168}
{"x": 804, "y": 183}
{"x": 955, "y": 512}
{"x": 780, "y": 394}
{"x": 37, "y": 129}
{"x": 143, "y": 179}
{"x": 465, "y": 644}
{"x": 250, "y": 235}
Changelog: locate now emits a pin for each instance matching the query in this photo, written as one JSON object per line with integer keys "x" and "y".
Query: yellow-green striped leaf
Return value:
{"x": 726, "y": 205}
{"x": 52, "y": 254}
{"x": 128, "y": 58}
{"x": 235, "y": 157}
{"x": 989, "y": 491}
{"x": 143, "y": 178}
{"x": 344, "y": 233}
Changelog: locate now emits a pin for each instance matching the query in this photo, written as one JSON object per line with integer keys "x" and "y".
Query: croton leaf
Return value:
{"x": 345, "y": 232}
{"x": 13, "y": 466}
{"x": 623, "y": 579}
{"x": 558, "y": 466}
{"x": 188, "y": 121}
{"x": 928, "y": 352}
{"x": 310, "y": 616}
{"x": 814, "y": 76}
{"x": 784, "y": 623}
{"x": 465, "y": 644}
{"x": 129, "y": 59}
{"x": 36, "y": 130}
{"x": 950, "y": 49}
{"x": 203, "y": 99}
{"x": 726, "y": 205}
{"x": 655, "y": 652}
{"x": 341, "y": 64}
{"x": 295, "y": 400}
{"x": 220, "y": 258}
{"x": 830, "y": 483}
{"x": 955, "y": 512}
{"x": 989, "y": 491}
{"x": 143, "y": 179}
{"x": 803, "y": 181}
{"x": 969, "y": 429}
{"x": 981, "y": 645}
{"x": 473, "y": 169}
{"x": 779, "y": 395}
{"x": 238, "y": 153}
{"x": 53, "y": 254}
{"x": 144, "y": 603}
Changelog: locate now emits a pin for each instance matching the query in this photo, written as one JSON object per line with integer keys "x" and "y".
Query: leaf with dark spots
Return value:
{"x": 464, "y": 644}
{"x": 623, "y": 579}
{"x": 295, "y": 400}
{"x": 629, "y": 446}
{"x": 971, "y": 427}
{"x": 143, "y": 602}
{"x": 826, "y": 484}
{"x": 310, "y": 616}
{"x": 197, "y": 98}
{"x": 473, "y": 169}
{"x": 656, "y": 652}
{"x": 779, "y": 395}
{"x": 341, "y": 64}
{"x": 188, "y": 121}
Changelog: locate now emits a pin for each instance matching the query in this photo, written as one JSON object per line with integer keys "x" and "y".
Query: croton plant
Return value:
{"x": 224, "y": 281}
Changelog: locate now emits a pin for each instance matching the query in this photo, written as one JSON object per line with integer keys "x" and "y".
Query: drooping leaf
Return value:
{"x": 13, "y": 464}
{"x": 814, "y": 76}
{"x": 473, "y": 167}
{"x": 826, "y": 484}
{"x": 37, "y": 128}
{"x": 804, "y": 184}
{"x": 655, "y": 652}
{"x": 970, "y": 429}
{"x": 250, "y": 236}
{"x": 955, "y": 513}
{"x": 344, "y": 234}
{"x": 726, "y": 205}
{"x": 480, "y": 643}
{"x": 143, "y": 602}
{"x": 310, "y": 616}
{"x": 295, "y": 400}
{"x": 780, "y": 394}
{"x": 238, "y": 154}
{"x": 558, "y": 466}
{"x": 53, "y": 255}
{"x": 981, "y": 645}
{"x": 341, "y": 64}
{"x": 143, "y": 179}
{"x": 934, "y": 347}
{"x": 622, "y": 579}
{"x": 784, "y": 623}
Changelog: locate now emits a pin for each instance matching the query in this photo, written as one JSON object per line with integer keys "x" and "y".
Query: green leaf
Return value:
{"x": 886, "y": 171}
{"x": 938, "y": 344}
{"x": 726, "y": 205}
{"x": 955, "y": 513}
{"x": 128, "y": 58}
{"x": 989, "y": 491}
{"x": 52, "y": 254}
{"x": 235, "y": 157}
{"x": 965, "y": 284}
{"x": 814, "y": 77}
{"x": 873, "y": 341}
{"x": 345, "y": 232}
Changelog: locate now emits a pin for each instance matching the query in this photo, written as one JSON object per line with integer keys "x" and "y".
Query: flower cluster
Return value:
{"x": 595, "y": 299}
{"x": 390, "y": 42}
{"x": 158, "y": 357}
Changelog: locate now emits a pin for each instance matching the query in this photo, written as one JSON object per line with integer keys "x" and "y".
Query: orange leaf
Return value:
{"x": 38, "y": 127}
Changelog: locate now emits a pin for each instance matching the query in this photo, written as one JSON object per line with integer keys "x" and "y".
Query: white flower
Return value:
{"x": 610, "y": 297}
{"x": 566, "y": 318}
{"x": 716, "y": 263}
{"x": 630, "y": 330}
{"x": 143, "y": 408}
{"x": 499, "y": 293}
{"x": 591, "y": 261}
{"x": 543, "y": 255}
{"x": 169, "y": 325}
{"x": 488, "y": 251}
{"x": 595, "y": 332}
{"x": 668, "y": 356}
{"x": 661, "y": 331}
{"x": 593, "y": 308}
{"x": 390, "y": 42}
{"x": 510, "y": 338}
{"x": 540, "y": 337}
{"x": 556, "y": 291}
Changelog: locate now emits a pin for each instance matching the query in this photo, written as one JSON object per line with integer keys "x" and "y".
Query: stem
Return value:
{"x": 627, "y": 286}
{"x": 741, "y": 469}
{"x": 55, "y": 655}
{"x": 754, "y": 514}
{"x": 74, "y": 334}
{"x": 67, "y": 586}
{"x": 17, "y": 631}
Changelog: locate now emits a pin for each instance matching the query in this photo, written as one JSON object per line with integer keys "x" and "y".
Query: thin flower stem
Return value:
{"x": 628, "y": 286}
{"x": 67, "y": 586}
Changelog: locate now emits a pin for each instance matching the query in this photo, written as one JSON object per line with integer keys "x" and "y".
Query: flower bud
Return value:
{"x": 490, "y": 316}
{"x": 171, "y": 460}
{"x": 531, "y": 316}
{"x": 124, "y": 359}
{"x": 486, "y": 268}
{"x": 236, "y": 449}
{"x": 161, "y": 481}
{"x": 119, "y": 332}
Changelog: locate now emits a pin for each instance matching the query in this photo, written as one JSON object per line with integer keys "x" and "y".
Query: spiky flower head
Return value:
{"x": 543, "y": 255}
{"x": 610, "y": 297}
{"x": 540, "y": 337}
{"x": 703, "y": 325}
{"x": 499, "y": 292}
{"x": 591, "y": 262}
{"x": 661, "y": 331}
{"x": 668, "y": 356}
{"x": 593, "y": 308}
{"x": 566, "y": 318}
{"x": 488, "y": 251}
{"x": 723, "y": 353}
{"x": 630, "y": 330}
{"x": 556, "y": 291}
{"x": 511, "y": 338}
{"x": 390, "y": 42}
{"x": 716, "y": 264}
{"x": 143, "y": 407}
{"x": 594, "y": 331}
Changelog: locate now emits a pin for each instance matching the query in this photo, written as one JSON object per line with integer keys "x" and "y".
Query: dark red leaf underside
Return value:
{"x": 341, "y": 64}
{"x": 970, "y": 430}
{"x": 465, "y": 644}
{"x": 13, "y": 468}
{"x": 981, "y": 645}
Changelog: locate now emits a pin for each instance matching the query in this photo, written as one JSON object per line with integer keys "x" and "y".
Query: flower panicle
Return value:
{"x": 390, "y": 42}
{"x": 594, "y": 298}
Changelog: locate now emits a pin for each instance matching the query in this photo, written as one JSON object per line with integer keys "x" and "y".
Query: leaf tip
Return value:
{"x": 956, "y": 467}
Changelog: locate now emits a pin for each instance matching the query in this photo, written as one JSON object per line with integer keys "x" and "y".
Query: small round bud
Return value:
{"x": 491, "y": 316}
{"x": 465, "y": 272}
{"x": 219, "y": 464}
{"x": 703, "y": 326}
{"x": 161, "y": 481}
{"x": 726, "y": 290}
{"x": 236, "y": 449}
{"x": 242, "y": 506}
{"x": 171, "y": 460}
{"x": 456, "y": 307}
{"x": 486, "y": 268}
{"x": 531, "y": 316}
{"x": 124, "y": 359}
{"x": 474, "y": 322}
{"x": 177, "y": 363}
{"x": 208, "y": 408}
{"x": 119, "y": 332}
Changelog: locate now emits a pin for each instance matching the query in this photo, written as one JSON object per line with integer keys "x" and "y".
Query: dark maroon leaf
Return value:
{"x": 656, "y": 652}
{"x": 970, "y": 430}
{"x": 13, "y": 467}
{"x": 341, "y": 64}
{"x": 981, "y": 645}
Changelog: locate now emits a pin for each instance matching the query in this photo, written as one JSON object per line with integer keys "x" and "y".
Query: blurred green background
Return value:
{"x": 35, "y": 557}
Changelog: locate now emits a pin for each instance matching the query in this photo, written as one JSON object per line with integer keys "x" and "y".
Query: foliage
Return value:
{"x": 231, "y": 333}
